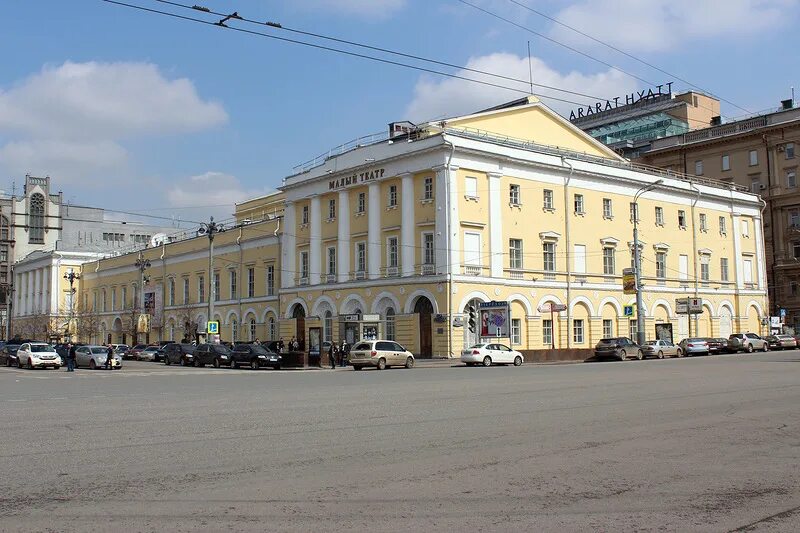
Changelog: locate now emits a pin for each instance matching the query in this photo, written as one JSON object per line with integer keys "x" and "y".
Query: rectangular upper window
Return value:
{"x": 661, "y": 265}
{"x": 331, "y": 209}
{"x": 607, "y": 208}
{"x": 471, "y": 187}
{"x": 362, "y": 202}
{"x": 660, "y": 216}
{"x": 753, "y": 157}
{"x": 681, "y": 219}
{"x": 428, "y": 193}
{"x": 698, "y": 168}
{"x": 726, "y": 162}
{"x": 515, "y": 253}
{"x": 331, "y": 261}
{"x": 579, "y": 204}
{"x": 723, "y": 268}
{"x": 791, "y": 178}
{"x": 547, "y": 197}
{"x": 430, "y": 253}
{"x": 723, "y": 226}
{"x": 513, "y": 194}
{"x": 392, "y": 195}
{"x": 745, "y": 229}
{"x": 305, "y": 215}
{"x": 789, "y": 150}
{"x": 703, "y": 222}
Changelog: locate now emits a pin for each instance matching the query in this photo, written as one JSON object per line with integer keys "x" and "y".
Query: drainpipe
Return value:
{"x": 448, "y": 244}
{"x": 771, "y": 230}
{"x": 566, "y": 230}
{"x": 165, "y": 285}
{"x": 774, "y": 284}
{"x": 240, "y": 282}
{"x": 694, "y": 253}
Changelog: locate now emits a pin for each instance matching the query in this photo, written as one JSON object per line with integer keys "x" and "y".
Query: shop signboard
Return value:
{"x": 495, "y": 319}
{"x": 629, "y": 280}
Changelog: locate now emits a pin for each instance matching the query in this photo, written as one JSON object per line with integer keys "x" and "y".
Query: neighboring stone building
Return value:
{"x": 406, "y": 233}
{"x": 759, "y": 153}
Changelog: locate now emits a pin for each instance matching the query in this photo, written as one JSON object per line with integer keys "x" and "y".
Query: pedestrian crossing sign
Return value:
{"x": 213, "y": 327}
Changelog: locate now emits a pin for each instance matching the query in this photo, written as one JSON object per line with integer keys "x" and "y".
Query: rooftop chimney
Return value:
{"x": 787, "y": 104}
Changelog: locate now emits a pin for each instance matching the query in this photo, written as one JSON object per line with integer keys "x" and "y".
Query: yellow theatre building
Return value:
{"x": 405, "y": 232}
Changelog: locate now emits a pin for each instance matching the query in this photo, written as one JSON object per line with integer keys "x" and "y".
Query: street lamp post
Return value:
{"x": 142, "y": 264}
{"x": 637, "y": 261}
{"x": 71, "y": 277}
{"x": 210, "y": 228}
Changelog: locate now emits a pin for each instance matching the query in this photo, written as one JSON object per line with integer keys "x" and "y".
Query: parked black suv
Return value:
{"x": 618, "y": 347}
{"x": 254, "y": 355}
{"x": 179, "y": 353}
{"x": 212, "y": 354}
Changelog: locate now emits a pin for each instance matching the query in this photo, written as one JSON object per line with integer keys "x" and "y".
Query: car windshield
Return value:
{"x": 151, "y": 349}
{"x": 99, "y": 349}
{"x": 695, "y": 340}
{"x": 651, "y": 343}
{"x": 219, "y": 348}
{"x": 477, "y": 346}
{"x": 260, "y": 349}
{"x": 611, "y": 340}
{"x": 41, "y": 348}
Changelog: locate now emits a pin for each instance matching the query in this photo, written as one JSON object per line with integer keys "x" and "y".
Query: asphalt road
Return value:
{"x": 699, "y": 444}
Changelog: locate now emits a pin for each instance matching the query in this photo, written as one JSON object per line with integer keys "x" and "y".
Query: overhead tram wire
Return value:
{"x": 623, "y": 52}
{"x": 352, "y": 54}
{"x": 278, "y": 26}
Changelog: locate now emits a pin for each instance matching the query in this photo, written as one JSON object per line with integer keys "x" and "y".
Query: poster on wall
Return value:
{"x": 495, "y": 319}
{"x": 154, "y": 301}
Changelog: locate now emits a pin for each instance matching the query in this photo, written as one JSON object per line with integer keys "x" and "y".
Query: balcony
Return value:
{"x": 302, "y": 281}
{"x": 391, "y": 272}
{"x": 472, "y": 270}
{"x": 427, "y": 269}
{"x": 330, "y": 278}
{"x": 359, "y": 275}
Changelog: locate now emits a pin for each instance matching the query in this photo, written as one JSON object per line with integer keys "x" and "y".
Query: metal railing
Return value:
{"x": 341, "y": 149}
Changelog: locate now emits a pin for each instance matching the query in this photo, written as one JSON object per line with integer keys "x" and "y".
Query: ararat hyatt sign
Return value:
{"x": 354, "y": 179}
{"x": 633, "y": 98}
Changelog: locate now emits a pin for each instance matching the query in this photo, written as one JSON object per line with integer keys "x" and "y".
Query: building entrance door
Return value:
{"x": 424, "y": 308}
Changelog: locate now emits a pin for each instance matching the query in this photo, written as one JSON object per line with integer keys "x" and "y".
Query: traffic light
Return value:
{"x": 471, "y": 320}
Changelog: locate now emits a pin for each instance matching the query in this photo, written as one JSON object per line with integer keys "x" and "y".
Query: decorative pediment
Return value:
{"x": 661, "y": 247}
{"x": 609, "y": 242}
{"x": 704, "y": 251}
{"x": 549, "y": 236}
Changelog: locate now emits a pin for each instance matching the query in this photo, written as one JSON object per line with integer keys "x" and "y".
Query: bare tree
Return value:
{"x": 186, "y": 320}
{"x": 88, "y": 323}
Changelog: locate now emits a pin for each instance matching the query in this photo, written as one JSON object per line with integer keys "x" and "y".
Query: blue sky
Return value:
{"x": 141, "y": 112}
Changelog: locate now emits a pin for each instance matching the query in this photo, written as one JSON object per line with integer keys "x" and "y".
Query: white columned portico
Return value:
{"x": 29, "y": 294}
{"x": 54, "y": 291}
{"x": 37, "y": 290}
{"x": 737, "y": 251}
{"x": 343, "y": 246}
{"x": 758, "y": 230}
{"x": 374, "y": 231}
{"x": 447, "y": 235}
{"x": 496, "y": 226}
{"x": 407, "y": 225}
{"x": 45, "y": 290}
{"x": 315, "y": 237}
{"x": 288, "y": 246}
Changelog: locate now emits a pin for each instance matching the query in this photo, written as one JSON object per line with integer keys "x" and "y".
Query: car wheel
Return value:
{"x": 356, "y": 367}
{"x": 234, "y": 364}
{"x": 409, "y": 362}
{"x": 487, "y": 361}
{"x": 518, "y": 361}
{"x": 660, "y": 354}
{"x": 639, "y": 355}
{"x": 216, "y": 362}
{"x": 92, "y": 365}
{"x": 254, "y": 364}
{"x": 276, "y": 367}
{"x": 182, "y": 361}
{"x": 381, "y": 363}
{"x": 57, "y": 367}
{"x": 766, "y": 347}
{"x": 622, "y": 355}
{"x": 749, "y": 348}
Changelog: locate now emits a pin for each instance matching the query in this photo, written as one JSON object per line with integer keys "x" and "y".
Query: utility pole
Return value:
{"x": 210, "y": 228}
{"x": 71, "y": 277}
{"x": 142, "y": 264}
{"x": 637, "y": 262}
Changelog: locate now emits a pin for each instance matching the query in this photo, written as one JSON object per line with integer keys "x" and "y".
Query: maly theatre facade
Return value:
{"x": 513, "y": 204}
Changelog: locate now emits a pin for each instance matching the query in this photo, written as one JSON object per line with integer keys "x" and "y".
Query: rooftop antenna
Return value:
{"x": 792, "y": 95}
{"x": 530, "y": 66}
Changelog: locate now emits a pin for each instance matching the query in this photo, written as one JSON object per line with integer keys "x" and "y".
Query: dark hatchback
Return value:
{"x": 179, "y": 353}
{"x": 255, "y": 356}
{"x": 216, "y": 355}
{"x": 617, "y": 347}
{"x": 8, "y": 355}
{"x": 717, "y": 345}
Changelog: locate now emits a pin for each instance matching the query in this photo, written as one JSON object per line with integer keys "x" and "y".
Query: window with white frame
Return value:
{"x": 745, "y": 229}
{"x": 698, "y": 168}
{"x": 113, "y": 298}
{"x": 723, "y": 269}
{"x": 608, "y": 328}
{"x": 171, "y": 293}
{"x": 201, "y": 289}
{"x": 726, "y": 162}
{"x": 428, "y": 189}
{"x": 328, "y": 327}
{"x": 753, "y": 157}
{"x": 703, "y": 222}
{"x": 634, "y": 211}
{"x": 252, "y": 329}
{"x": 251, "y": 282}
{"x": 392, "y": 195}
{"x": 233, "y": 284}
{"x": 392, "y": 255}
{"x": 234, "y": 330}
{"x": 549, "y": 256}
{"x": 332, "y": 209}
{"x": 362, "y": 202}
{"x": 791, "y": 178}
{"x": 607, "y": 208}
{"x": 794, "y": 218}
{"x": 515, "y": 253}
{"x": 304, "y": 265}
{"x": 661, "y": 265}
{"x": 747, "y": 269}
{"x": 361, "y": 257}
{"x": 471, "y": 187}
{"x": 547, "y": 196}
{"x": 577, "y": 331}
{"x": 429, "y": 256}
{"x": 608, "y": 261}
{"x": 513, "y": 194}
{"x": 578, "y": 201}
{"x": 705, "y": 271}
{"x": 124, "y": 298}
{"x": 723, "y": 226}
{"x": 547, "y": 332}
{"x": 789, "y": 150}
{"x": 633, "y": 327}
{"x": 516, "y": 331}
{"x": 270, "y": 280}
{"x": 390, "y": 324}
{"x": 331, "y": 261}
{"x": 659, "y": 215}
{"x": 217, "y": 287}
{"x": 305, "y": 214}
{"x": 271, "y": 330}
{"x": 104, "y": 300}
{"x": 796, "y": 249}
{"x": 681, "y": 218}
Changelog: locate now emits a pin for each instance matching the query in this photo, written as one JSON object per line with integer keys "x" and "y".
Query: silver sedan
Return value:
{"x": 95, "y": 357}
{"x": 660, "y": 348}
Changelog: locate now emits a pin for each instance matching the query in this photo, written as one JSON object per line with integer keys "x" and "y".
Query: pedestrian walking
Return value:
{"x": 344, "y": 350}
{"x": 70, "y": 357}
{"x": 280, "y": 345}
{"x": 109, "y": 357}
{"x": 333, "y": 352}
{"x": 292, "y": 342}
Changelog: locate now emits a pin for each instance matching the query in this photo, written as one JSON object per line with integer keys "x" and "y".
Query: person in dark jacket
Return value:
{"x": 70, "y": 357}
{"x": 109, "y": 357}
{"x": 332, "y": 354}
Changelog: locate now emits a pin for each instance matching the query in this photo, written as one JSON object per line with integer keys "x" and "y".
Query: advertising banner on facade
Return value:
{"x": 495, "y": 319}
{"x": 154, "y": 301}
{"x": 629, "y": 280}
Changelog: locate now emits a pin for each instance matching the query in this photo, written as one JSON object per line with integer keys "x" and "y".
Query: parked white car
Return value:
{"x": 95, "y": 357}
{"x": 149, "y": 353}
{"x": 38, "y": 354}
{"x": 380, "y": 354}
{"x": 489, "y": 353}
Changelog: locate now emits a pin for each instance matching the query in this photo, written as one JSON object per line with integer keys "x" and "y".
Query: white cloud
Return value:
{"x": 658, "y": 25}
{"x": 435, "y": 98}
{"x": 70, "y": 161}
{"x": 105, "y": 100}
{"x": 215, "y": 189}
{"x": 380, "y": 9}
